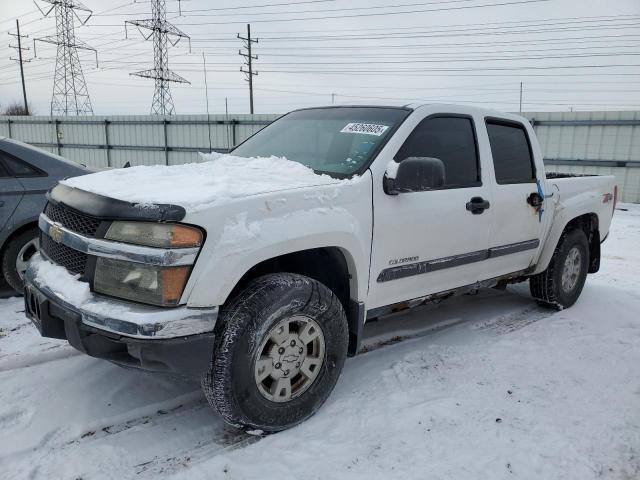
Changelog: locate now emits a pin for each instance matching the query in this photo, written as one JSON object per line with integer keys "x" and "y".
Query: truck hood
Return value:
{"x": 200, "y": 186}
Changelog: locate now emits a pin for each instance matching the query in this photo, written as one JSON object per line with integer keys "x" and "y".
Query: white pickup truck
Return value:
{"x": 256, "y": 271}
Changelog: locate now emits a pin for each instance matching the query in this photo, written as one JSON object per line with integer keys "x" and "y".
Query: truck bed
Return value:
{"x": 554, "y": 175}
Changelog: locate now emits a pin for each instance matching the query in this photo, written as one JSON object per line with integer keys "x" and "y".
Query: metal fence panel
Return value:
{"x": 573, "y": 142}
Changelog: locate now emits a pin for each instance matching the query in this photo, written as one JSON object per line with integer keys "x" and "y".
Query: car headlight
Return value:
{"x": 139, "y": 282}
{"x": 164, "y": 235}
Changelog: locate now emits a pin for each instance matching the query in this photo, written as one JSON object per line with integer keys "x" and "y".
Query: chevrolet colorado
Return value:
{"x": 256, "y": 271}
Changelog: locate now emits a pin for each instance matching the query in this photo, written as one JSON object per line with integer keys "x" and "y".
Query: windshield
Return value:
{"x": 338, "y": 140}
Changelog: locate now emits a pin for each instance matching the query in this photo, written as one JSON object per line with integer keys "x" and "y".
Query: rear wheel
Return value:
{"x": 560, "y": 285}
{"x": 279, "y": 350}
{"x": 17, "y": 254}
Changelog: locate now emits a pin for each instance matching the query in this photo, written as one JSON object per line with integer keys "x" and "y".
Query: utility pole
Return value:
{"x": 163, "y": 33}
{"x": 20, "y": 60}
{"x": 520, "y": 97}
{"x": 70, "y": 94}
{"x": 249, "y": 63}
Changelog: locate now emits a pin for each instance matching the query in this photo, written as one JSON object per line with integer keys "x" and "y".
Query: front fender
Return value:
{"x": 245, "y": 233}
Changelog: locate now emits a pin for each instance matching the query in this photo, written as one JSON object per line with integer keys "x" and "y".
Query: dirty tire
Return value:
{"x": 10, "y": 257}
{"x": 547, "y": 287}
{"x": 243, "y": 326}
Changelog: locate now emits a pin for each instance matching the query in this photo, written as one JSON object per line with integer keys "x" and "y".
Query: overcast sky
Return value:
{"x": 569, "y": 54}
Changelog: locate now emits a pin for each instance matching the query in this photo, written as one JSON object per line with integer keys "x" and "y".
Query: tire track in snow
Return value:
{"x": 505, "y": 324}
{"x": 50, "y": 354}
{"x": 151, "y": 419}
{"x": 190, "y": 430}
{"x": 458, "y": 315}
{"x": 232, "y": 439}
{"x": 21, "y": 345}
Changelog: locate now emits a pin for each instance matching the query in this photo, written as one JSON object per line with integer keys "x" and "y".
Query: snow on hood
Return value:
{"x": 195, "y": 186}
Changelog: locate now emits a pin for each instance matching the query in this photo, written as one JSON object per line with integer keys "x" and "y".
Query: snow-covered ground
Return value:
{"x": 480, "y": 387}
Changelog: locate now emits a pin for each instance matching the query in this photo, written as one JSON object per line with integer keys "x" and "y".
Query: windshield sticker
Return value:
{"x": 365, "y": 128}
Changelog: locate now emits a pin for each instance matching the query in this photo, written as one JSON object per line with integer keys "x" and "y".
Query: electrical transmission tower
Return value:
{"x": 70, "y": 94}
{"x": 19, "y": 48}
{"x": 248, "y": 59}
{"x": 163, "y": 33}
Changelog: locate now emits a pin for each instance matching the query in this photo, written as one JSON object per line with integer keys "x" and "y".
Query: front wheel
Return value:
{"x": 278, "y": 352}
{"x": 16, "y": 256}
{"x": 560, "y": 285}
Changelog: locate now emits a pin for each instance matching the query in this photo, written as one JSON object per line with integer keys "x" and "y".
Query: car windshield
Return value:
{"x": 338, "y": 140}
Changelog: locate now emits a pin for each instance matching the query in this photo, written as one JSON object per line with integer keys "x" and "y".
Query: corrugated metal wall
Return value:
{"x": 600, "y": 143}
{"x": 111, "y": 141}
{"x": 603, "y": 143}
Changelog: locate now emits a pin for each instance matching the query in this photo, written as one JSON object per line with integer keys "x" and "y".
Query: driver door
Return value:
{"x": 428, "y": 242}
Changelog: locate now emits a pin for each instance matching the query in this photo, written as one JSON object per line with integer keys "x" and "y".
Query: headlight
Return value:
{"x": 165, "y": 235}
{"x": 138, "y": 282}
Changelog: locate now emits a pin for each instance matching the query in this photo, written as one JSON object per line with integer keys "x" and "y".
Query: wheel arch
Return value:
{"x": 589, "y": 223}
{"x": 17, "y": 230}
{"x": 332, "y": 266}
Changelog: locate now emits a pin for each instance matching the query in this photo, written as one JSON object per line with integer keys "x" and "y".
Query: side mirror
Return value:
{"x": 413, "y": 174}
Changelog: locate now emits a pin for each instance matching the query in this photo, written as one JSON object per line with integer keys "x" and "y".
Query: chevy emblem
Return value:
{"x": 55, "y": 232}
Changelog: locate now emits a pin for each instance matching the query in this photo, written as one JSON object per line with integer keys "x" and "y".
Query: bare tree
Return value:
{"x": 16, "y": 108}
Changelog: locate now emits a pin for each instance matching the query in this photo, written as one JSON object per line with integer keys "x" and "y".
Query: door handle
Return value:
{"x": 477, "y": 205}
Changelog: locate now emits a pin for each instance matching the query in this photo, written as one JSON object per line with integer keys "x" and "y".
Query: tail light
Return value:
{"x": 615, "y": 197}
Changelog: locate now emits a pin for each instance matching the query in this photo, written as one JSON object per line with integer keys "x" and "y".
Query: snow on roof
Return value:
{"x": 195, "y": 186}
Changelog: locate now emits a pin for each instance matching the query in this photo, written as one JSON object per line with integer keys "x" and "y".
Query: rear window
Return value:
{"x": 17, "y": 167}
{"x": 511, "y": 153}
{"x": 3, "y": 171}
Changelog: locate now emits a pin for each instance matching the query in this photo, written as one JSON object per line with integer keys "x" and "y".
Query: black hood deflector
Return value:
{"x": 112, "y": 209}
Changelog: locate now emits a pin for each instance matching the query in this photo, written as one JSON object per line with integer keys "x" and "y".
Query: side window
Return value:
{"x": 3, "y": 171}
{"x": 18, "y": 168}
{"x": 511, "y": 153}
{"x": 450, "y": 139}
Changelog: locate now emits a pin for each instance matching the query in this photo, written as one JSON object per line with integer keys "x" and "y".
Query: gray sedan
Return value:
{"x": 26, "y": 174}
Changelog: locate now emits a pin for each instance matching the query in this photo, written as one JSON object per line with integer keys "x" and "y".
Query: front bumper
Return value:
{"x": 176, "y": 340}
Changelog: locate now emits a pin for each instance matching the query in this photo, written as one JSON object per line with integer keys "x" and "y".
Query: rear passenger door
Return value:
{"x": 516, "y": 225}
{"x": 11, "y": 192}
{"x": 34, "y": 182}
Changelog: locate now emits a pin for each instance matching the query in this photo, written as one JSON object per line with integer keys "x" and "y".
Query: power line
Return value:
{"x": 375, "y": 14}
{"x": 481, "y": 27}
{"x": 103, "y": 11}
{"x": 238, "y": 7}
{"x": 540, "y": 67}
{"x": 450, "y": 33}
{"x": 600, "y": 18}
{"x": 449, "y": 59}
{"x": 561, "y": 40}
{"x": 343, "y": 9}
{"x": 163, "y": 33}
{"x": 19, "y": 16}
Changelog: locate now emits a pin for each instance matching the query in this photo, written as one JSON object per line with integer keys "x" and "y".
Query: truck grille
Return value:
{"x": 69, "y": 258}
{"x": 73, "y": 220}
